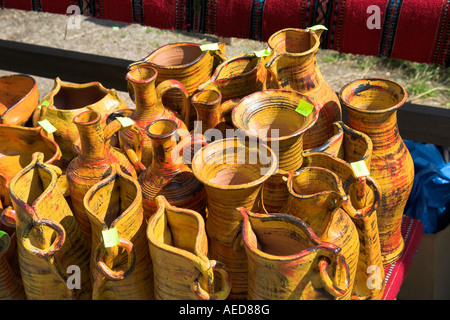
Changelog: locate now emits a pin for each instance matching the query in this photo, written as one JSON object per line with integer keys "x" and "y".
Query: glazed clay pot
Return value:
{"x": 179, "y": 250}
{"x": 116, "y": 202}
{"x": 271, "y": 117}
{"x": 19, "y": 97}
{"x": 168, "y": 175}
{"x": 293, "y": 66}
{"x": 363, "y": 198}
{"x": 93, "y": 163}
{"x": 316, "y": 196}
{"x": 17, "y": 145}
{"x": 150, "y": 107}
{"x": 49, "y": 240}
{"x": 288, "y": 261}
{"x": 11, "y": 287}
{"x": 67, "y": 100}
{"x": 233, "y": 171}
{"x": 372, "y": 109}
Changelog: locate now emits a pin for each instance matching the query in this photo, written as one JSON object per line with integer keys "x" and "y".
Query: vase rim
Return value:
{"x": 246, "y": 56}
{"x": 91, "y": 121}
{"x": 131, "y": 78}
{"x": 373, "y": 111}
{"x": 162, "y": 135}
{"x": 30, "y": 90}
{"x": 311, "y": 50}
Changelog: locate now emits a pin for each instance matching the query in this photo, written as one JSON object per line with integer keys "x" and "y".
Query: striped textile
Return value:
{"x": 415, "y": 30}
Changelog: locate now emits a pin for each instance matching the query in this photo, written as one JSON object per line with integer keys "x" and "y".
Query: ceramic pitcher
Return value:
{"x": 148, "y": 98}
{"x": 122, "y": 270}
{"x": 17, "y": 144}
{"x": 93, "y": 162}
{"x": 372, "y": 106}
{"x": 293, "y": 66}
{"x": 363, "y": 198}
{"x": 288, "y": 261}
{"x": 11, "y": 286}
{"x": 19, "y": 97}
{"x": 168, "y": 174}
{"x": 271, "y": 116}
{"x": 233, "y": 171}
{"x": 179, "y": 250}
{"x": 316, "y": 196}
{"x": 67, "y": 100}
{"x": 50, "y": 243}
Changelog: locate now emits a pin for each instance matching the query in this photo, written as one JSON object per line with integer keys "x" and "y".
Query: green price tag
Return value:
{"x": 263, "y": 53}
{"x": 125, "y": 122}
{"x": 44, "y": 103}
{"x": 2, "y": 233}
{"x": 318, "y": 27}
{"x": 47, "y": 126}
{"x": 304, "y": 108}
{"x": 110, "y": 237}
{"x": 360, "y": 168}
{"x": 115, "y": 28}
{"x": 209, "y": 46}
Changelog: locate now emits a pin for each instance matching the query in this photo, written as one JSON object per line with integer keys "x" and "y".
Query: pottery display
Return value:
{"x": 372, "y": 106}
{"x": 271, "y": 116}
{"x": 287, "y": 260}
{"x": 233, "y": 171}
{"x": 49, "y": 239}
{"x": 116, "y": 203}
{"x": 19, "y": 97}
{"x": 11, "y": 286}
{"x": 179, "y": 250}
{"x": 67, "y": 100}
{"x": 293, "y": 65}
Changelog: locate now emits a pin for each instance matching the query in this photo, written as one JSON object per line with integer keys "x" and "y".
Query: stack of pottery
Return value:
{"x": 228, "y": 178}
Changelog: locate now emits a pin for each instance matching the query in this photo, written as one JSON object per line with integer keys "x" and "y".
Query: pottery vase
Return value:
{"x": 116, "y": 203}
{"x": 168, "y": 175}
{"x": 185, "y": 63}
{"x": 271, "y": 117}
{"x": 316, "y": 196}
{"x": 372, "y": 106}
{"x": 233, "y": 171}
{"x": 19, "y": 97}
{"x": 363, "y": 198}
{"x": 67, "y": 100}
{"x": 17, "y": 145}
{"x": 93, "y": 162}
{"x": 293, "y": 66}
{"x": 288, "y": 261}
{"x": 150, "y": 107}
{"x": 49, "y": 241}
{"x": 179, "y": 250}
{"x": 11, "y": 286}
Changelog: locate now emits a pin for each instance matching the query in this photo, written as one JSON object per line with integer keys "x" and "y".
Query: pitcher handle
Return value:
{"x": 272, "y": 81}
{"x": 172, "y": 84}
{"x": 225, "y": 283}
{"x": 332, "y": 288}
{"x": 105, "y": 270}
{"x": 54, "y": 247}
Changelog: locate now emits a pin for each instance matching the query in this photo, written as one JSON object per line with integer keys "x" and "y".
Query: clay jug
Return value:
{"x": 168, "y": 175}
{"x": 316, "y": 196}
{"x": 183, "y": 62}
{"x": 288, "y": 261}
{"x": 17, "y": 144}
{"x": 363, "y": 198}
{"x": 19, "y": 97}
{"x": 116, "y": 203}
{"x": 50, "y": 243}
{"x": 94, "y": 160}
{"x": 372, "y": 109}
{"x": 11, "y": 286}
{"x": 150, "y": 107}
{"x": 233, "y": 171}
{"x": 293, "y": 66}
{"x": 179, "y": 250}
{"x": 67, "y": 100}
{"x": 271, "y": 116}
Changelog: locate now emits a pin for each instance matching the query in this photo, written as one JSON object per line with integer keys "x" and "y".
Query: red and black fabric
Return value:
{"x": 415, "y": 30}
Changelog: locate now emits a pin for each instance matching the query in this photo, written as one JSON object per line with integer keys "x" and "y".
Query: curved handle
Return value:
{"x": 105, "y": 270}
{"x": 54, "y": 247}
{"x": 332, "y": 288}
{"x": 219, "y": 55}
{"x": 225, "y": 283}
{"x": 172, "y": 84}
{"x": 272, "y": 81}
{"x": 8, "y": 218}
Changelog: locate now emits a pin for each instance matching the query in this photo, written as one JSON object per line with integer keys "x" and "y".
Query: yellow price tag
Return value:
{"x": 47, "y": 126}
{"x": 263, "y": 53}
{"x": 317, "y": 27}
{"x": 304, "y": 108}
{"x": 110, "y": 237}
{"x": 125, "y": 122}
{"x": 44, "y": 103}
{"x": 360, "y": 168}
{"x": 209, "y": 46}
